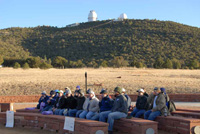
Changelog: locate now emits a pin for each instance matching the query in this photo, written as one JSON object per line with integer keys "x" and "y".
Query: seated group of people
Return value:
{"x": 105, "y": 108}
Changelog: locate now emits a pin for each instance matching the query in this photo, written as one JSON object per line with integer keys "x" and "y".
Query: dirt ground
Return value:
{"x": 33, "y": 81}
{"x": 5, "y": 130}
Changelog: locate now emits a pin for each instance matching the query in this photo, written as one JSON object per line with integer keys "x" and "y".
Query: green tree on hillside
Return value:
{"x": 194, "y": 64}
{"x": 139, "y": 64}
{"x": 16, "y": 65}
{"x": 119, "y": 61}
{"x": 1, "y": 60}
{"x": 45, "y": 65}
{"x": 25, "y": 66}
{"x": 159, "y": 63}
{"x": 168, "y": 64}
{"x": 60, "y": 62}
{"x": 104, "y": 63}
{"x": 134, "y": 62}
{"x": 34, "y": 62}
{"x": 176, "y": 64}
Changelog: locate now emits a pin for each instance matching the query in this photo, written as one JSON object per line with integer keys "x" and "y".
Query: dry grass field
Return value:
{"x": 33, "y": 81}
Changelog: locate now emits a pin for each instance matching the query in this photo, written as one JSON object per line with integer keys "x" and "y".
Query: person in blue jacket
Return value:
{"x": 51, "y": 101}
{"x": 105, "y": 104}
{"x": 43, "y": 99}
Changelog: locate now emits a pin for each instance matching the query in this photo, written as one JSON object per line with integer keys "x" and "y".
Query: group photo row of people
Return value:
{"x": 106, "y": 108}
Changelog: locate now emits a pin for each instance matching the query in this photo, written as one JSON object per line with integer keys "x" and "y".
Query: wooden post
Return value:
{"x": 85, "y": 82}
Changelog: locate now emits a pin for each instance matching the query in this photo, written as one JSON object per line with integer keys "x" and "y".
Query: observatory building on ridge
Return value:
{"x": 92, "y": 16}
{"x": 122, "y": 17}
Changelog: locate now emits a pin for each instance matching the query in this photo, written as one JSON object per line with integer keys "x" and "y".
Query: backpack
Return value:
{"x": 171, "y": 106}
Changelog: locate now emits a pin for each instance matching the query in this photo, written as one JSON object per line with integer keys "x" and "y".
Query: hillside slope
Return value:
{"x": 143, "y": 40}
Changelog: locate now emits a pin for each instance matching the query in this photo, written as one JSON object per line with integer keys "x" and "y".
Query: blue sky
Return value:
{"x": 31, "y": 13}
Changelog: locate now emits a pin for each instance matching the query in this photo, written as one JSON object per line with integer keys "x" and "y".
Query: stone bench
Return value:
{"x": 132, "y": 126}
{"x": 178, "y": 125}
{"x": 186, "y": 114}
{"x": 135, "y": 126}
{"x": 28, "y": 111}
{"x": 14, "y": 106}
{"x": 54, "y": 123}
{"x": 188, "y": 110}
{"x": 6, "y": 106}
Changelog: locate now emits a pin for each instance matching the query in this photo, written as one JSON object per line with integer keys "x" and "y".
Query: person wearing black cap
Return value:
{"x": 50, "y": 102}
{"x": 119, "y": 109}
{"x": 141, "y": 104}
{"x": 79, "y": 108}
{"x": 105, "y": 104}
{"x": 157, "y": 105}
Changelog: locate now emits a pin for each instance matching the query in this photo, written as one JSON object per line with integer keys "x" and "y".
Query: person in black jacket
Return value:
{"x": 141, "y": 104}
{"x": 63, "y": 102}
{"x": 59, "y": 102}
{"x": 79, "y": 108}
{"x": 70, "y": 102}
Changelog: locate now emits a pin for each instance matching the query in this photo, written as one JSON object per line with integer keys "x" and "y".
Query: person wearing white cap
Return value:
{"x": 141, "y": 104}
{"x": 90, "y": 106}
{"x": 127, "y": 97}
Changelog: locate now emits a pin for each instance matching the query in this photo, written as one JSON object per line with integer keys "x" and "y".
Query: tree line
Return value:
{"x": 116, "y": 62}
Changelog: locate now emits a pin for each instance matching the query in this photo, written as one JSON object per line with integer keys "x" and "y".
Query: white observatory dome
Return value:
{"x": 92, "y": 16}
{"x": 123, "y": 16}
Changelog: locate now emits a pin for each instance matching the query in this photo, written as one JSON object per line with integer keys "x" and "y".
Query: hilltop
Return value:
{"x": 94, "y": 42}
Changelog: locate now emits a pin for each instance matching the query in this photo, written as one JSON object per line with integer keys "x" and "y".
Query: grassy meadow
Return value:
{"x": 33, "y": 81}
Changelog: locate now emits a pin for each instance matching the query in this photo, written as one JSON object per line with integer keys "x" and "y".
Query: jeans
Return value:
{"x": 111, "y": 116}
{"x": 137, "y": 112}
{"x": 56, "y": 112}
{"x": 86, "y": 114}
{"x": 90, "y": 115}
{"x": 59, "y": 111}
{"x": 96, "y": 117}
{"x": 83, "y": 114}
{"x": 149, "y": 115}
{"x": 48, "y": 108}
{"x": 78, "y": 113}
{"x": 72, "y": 112}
